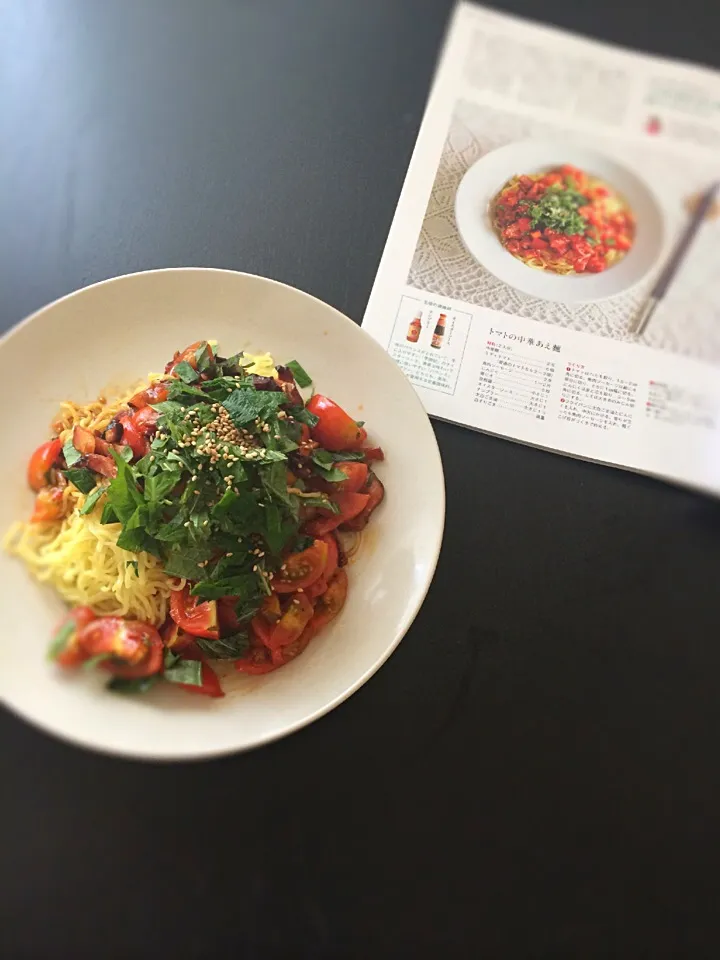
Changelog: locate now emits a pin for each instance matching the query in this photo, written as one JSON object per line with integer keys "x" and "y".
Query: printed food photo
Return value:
{"x": 590, "y": 227}
{"x": 564, "y": 220}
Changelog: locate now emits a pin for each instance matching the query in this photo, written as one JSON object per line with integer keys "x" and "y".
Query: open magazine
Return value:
{"x": 552, "y": 273}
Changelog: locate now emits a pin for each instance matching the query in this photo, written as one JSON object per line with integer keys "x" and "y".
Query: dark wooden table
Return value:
{"x": 535, "y": 772}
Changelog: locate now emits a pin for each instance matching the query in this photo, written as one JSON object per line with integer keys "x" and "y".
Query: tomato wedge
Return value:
{"x": 131, "y": 436}
{"x": 227, "y": 618}
{"x": 333, "y": 557}
{"x": 350, "y": 504}
{"x": 292, "y": 623}
{"x": 329, "y": 605}
{"x": 188, "y": 355}
{"x": 48, "y": 505}
{"x": 376, "y": 494}
{"x": 301, "y": 569}
{"x": 336, "y": 429}
{"x": 174, "y": 638}
{"x": 356, "y": 473}
{"x": 157, "y": 393}
{"x": 70, "y": 654}
{"x": 261, "y": 629}
{"x": 134, "y": 648}
{"x": 316, "y": 589}
{"x": 145, "y": 422}
{"x": 210, "y": 682}
{"x": 41, "y": 461}
{"x": 285, "y": 654}
{"x": 255, "y": 662}
{"x": 195, "y": 617}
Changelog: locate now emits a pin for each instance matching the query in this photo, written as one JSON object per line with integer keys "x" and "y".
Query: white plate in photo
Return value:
{"x": 111, "y": 335}
{"x": 484, "y": 180}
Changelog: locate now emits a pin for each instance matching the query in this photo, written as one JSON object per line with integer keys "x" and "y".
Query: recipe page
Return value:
{"x": 551, "y": 273}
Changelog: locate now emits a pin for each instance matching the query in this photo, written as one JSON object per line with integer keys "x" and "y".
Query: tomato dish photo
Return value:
{"x": 564, "y": 221}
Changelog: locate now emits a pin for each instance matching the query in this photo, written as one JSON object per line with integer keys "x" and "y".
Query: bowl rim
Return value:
{"x": 411, "y": 613}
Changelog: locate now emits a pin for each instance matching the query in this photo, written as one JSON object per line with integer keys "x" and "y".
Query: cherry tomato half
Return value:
{"x": 67, "y": 632}
{"x": 145, "y": 422}
{"x": 292, "y": 623}
{"x": 209, "y": 680}
{"x": 356, "y": 473}
{"x": 376, "y": 494}
{"x": 335, "y": 430}
{"x": 41, "y": 462}
{"x": 188, "y": 355}
{"x": 131, "y": 435}
{"x": 195, "y": 617}
{"x": 154, "y": 394}
{"x": 134, "y": 648}
{"x": 174, "y": 637}
{"x": 48, "y": 505}
{"x": 333, "y": 557}
{"x": 301, "y": 569}
{"x": 329, "y": 605}
{"x": 350, "y": 504}
{"x": 285, "y": 654}
{"x": 256, "y": 661}
{"x": 373, "y": 453}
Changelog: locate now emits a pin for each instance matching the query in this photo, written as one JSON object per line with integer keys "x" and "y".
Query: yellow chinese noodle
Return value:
{"x": 79, "y": 556}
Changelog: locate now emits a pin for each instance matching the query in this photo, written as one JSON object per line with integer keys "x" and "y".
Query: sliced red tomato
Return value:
{"x": 270, "y": 608}
{"x": 285, "y": 654}
{"x": 335, "y": 430}
{"x": 134, "y": 648}
{"x": 195, "y": 617}
{"x": 299, "y": 570}
{"x": 292, "y": 623}
{"x": 333, "y": 556}
{"x": 41, "y": 462}
{"x": 261, "y": 629}
{"x": 373, "y": 453}
{"x": 376, "y": 493}
{"x": 256, "y": 661}
{"x": 227, "y": 618}
{"x": 145, "y": 422}
{"x": 174, "y": 637}
{"x": 66, "y": 637}
{"x": 188, "y": 355}
{"x": 329, "y": 605}
{"x": 157, "y": 393}
{"x": 48, "y": 505}
{"x": 316, "y": 589}
{"x": 356, "y": 474}
{"x": 105, "y": 466}
{"x": 210, "y": 682}
{"x": 132, "y": 436}
{"x": 351, "y": 504}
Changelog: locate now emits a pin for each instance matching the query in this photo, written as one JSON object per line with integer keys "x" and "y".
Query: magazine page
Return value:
{"x": 552, "y": 273}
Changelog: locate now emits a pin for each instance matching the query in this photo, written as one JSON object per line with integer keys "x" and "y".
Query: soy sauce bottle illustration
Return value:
{"x": 439, "y": 332}
{"x": 413, "y": 334}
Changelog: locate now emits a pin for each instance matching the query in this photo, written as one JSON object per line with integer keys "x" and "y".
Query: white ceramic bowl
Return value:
{"x": 115, "y": 332}
{"x": 486, "y": 178}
